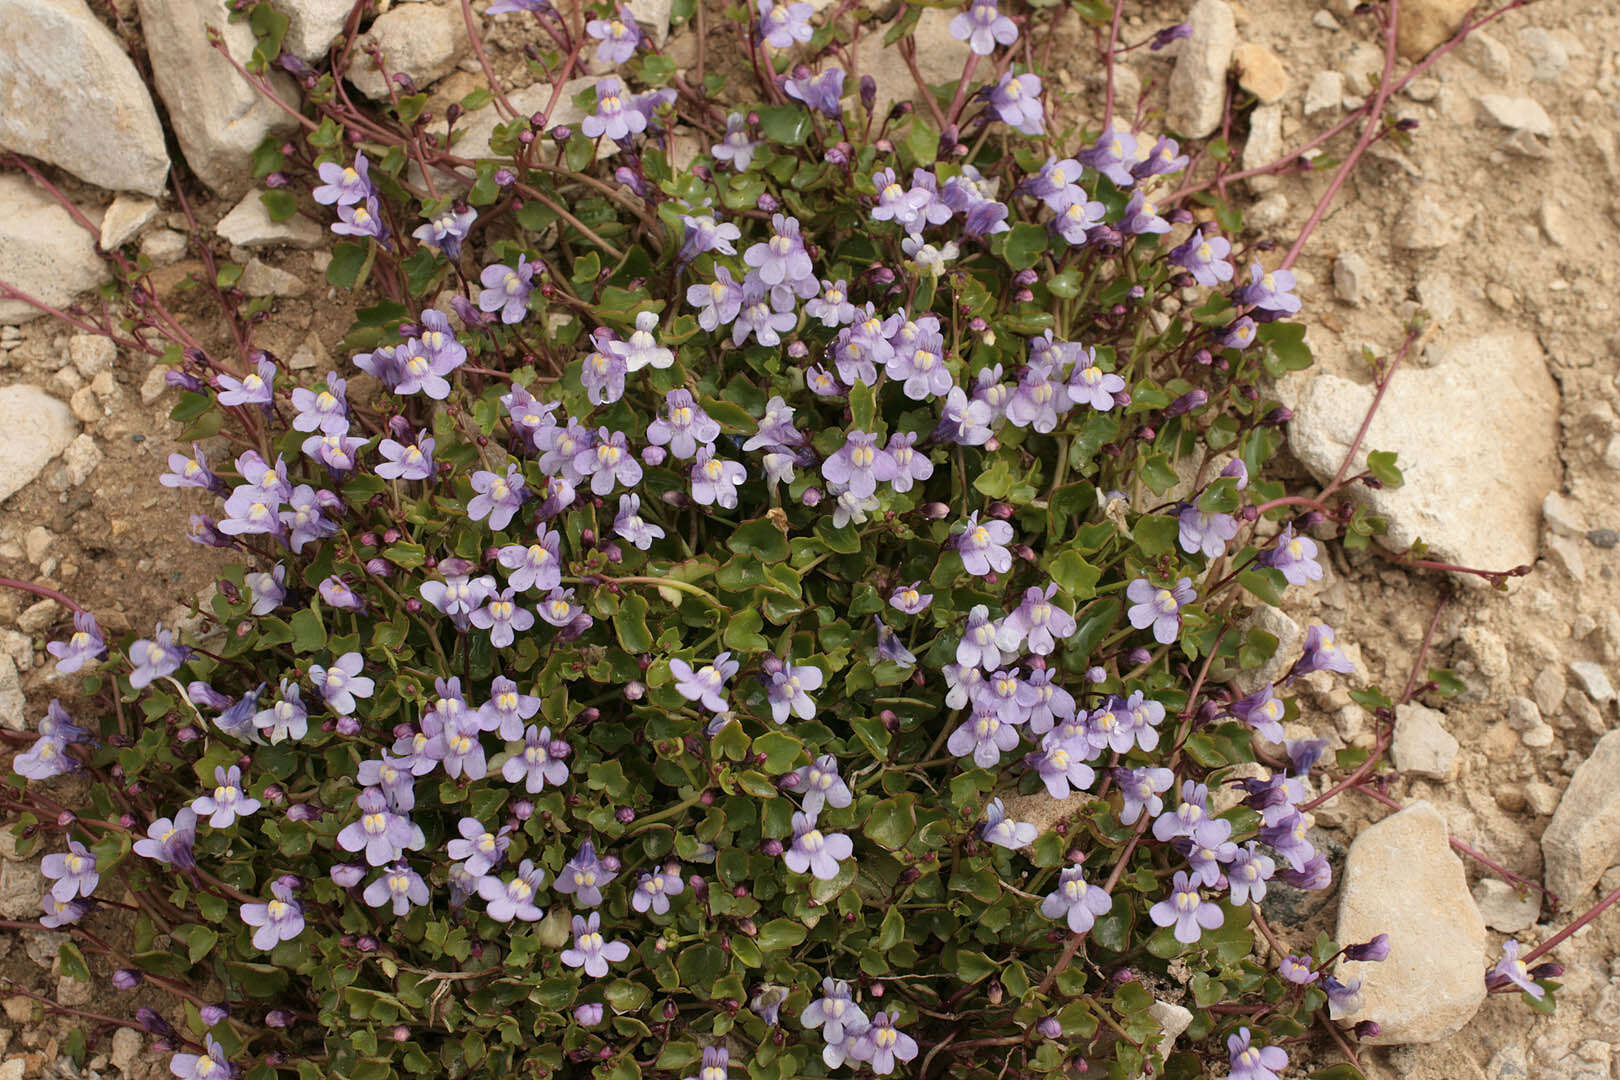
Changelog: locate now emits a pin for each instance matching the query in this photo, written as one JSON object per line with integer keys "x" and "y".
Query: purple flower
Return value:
{"x": 72, "y": 874}
{"x": 705, "y": 684}
{"x": 535, "y": 566}
{"x": 628, "y": 524}
{"x": 60, "y": 913}
{"x": 685, "y": 427}
{"x": 45, "y": 759}
{"x": 1263, "y": 711}
{"x": 1055, "y": 183}
{"x": 908, "y": 599}
{"x": 341, "y": 683}
{"x": 169, "y": 841}
{"x": 1046, "y": 701}
{"x": 821, "y": 785}
{"x": 1251, "y": 1062}
{"x": 341, "y": 184}
{"x": 1270, "y": 293}
{"x": 864, "y": 345}
{"x": 1017, "y": 101}
{"x": 498, "y": 498}
{"x": 1240, "y": 334}
{"x": 1158, "y": 607}
{"x": 814, "y": 851}
{"x": 832, "y": 305}
{"x": 539, "y": 763}
{"x": 859, "y": 464}
{"x": 393, "y": 777}
{"x": 400, "y": 886}
{"x": 1511, "y": 969}
{"x": 1112, "y": 154}
{"x": 889, "y": 646}
{"x": 381, "y": 833}
{"x": 1192, "y": 811}
{"x": 835, "y": 1013}
{"x": 766, "y": 314}
{"x": 1038, "y": 620}
{"x": 782, "y": 24}
{"x": 1001, "y": 694}
{"x": 984, "y": 547}
{"x": 457, "y": 596}
{"x": 326, "y": 411}
{"x": 978, "y": 645}
{"x": 282, "y": 919}
{"x": 717, "y": 302}
{"x": 783, "y": 259}
{"x": 1184, "y": 909}
{"x": 507, "y": 709}
{"x": 503, "y": 618}
{"x": 616, "y": 114}
{"x": 1204, "y": 257}
{"x": 1060, "y": 766}
{"x": 819, "y": 92}
{"x": 156, "y": 658}
{"x": 701, "y": 235}
{"x": 1208, "y": 849}
{"x": 266, "y": 589}
{"x": 1002, "y": 831}
{"x": 559, "y": 608}
{"x": 254, "y": 388}
{"x": 1321, "y": 654}
{"x": 1286, "y": 833}
{"x": 446, "y": 231}
{"x": 513, "y": 899}
{"x": 86, "y": 644}
{"x": 642, "y": 348}
{"x": 714, "y": 481}
{"x": 608, "y": 463}
{"x": 602, "y": 374}
{"x": 963, "y": 421}
{"x": 1080, "y": 904}
{"x": 1374, "y": 951}
{"x": 1247, "y": 874}
{"x": 507, "y": 289}
{"x": 1298, "y": 970}
{"x": 337, "y": 594}
{"x": 588, "y": 1015}
{"x": 983, "y": 27}
{"x": 882, "y": 1043}
{"x": 715, "y": 1061}
{"x": 304, "y": 518}
{"x": 361, "y": 219}
{"x": 1343, "y": 997}
{"x": 1203, "y": 532}
{"x": 479, "y": 850}
{"x": 228, "y": 801}
{"x": 919, "y": 362}
{"x": 1295, "y": 556}
{"x": 619, "y": 36}
{"x": 213, "y": 1065}
{"x": 984, "y": 737}
{"x": 190, "y": 471}
{"x": 584, "y": 876}
{"x": 1141, "y": 217}
{"x": 655, "y": 888}
{"x": 590, "y": 951}
{"x": 735, "y": 146}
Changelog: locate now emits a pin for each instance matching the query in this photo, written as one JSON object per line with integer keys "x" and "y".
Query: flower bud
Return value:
{"x": 127, "y": 978}
{"x": 523, "y": 809}
{"x": 654, "y": 455}
{"x": 1369, "y": 1029}
{"x": 278, "y": 1018}
{"x": 1096, "y": 675}
{"x": 588, "y": 1015}
{"x": 1138, "y": 656}
{"x": 1549, "y": 970}
{"x": 1376, "y": 949}
{"x": 768, "y": 203}
{"x": 366, "y": 943}
{"x": 1049, "y": 1027}
{"x": 1277, "y": 417}
{"x": 868, "y": 92}
{"x": 214, "y": 1014}
{"x": 771, "y": 848}
{"x": 1186, "y": 403}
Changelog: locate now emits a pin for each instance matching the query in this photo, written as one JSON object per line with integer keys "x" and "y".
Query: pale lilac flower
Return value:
{"x": 1188, "y": 912}
{"x": 1017, "y": 101}
{"x": 1109, "y": 727}
{"x": 86, "y": 644}
{"x": 513, "y": 899}
{"x": 715, "y": 1061}
{"x": 978, "y": 645}
{"x": 539, "y": 763}
{"x": 212, "y": 1064}
{"x": 835, "y": 1013}
{"x": 446, "y": 232}
{"x": 717, "y": 302}
{"x": 984, "y": 547}
{"x": 1240, "y": 334}
{"x": 814, "y": 851}
{"x": 655, "y": 888}
{"x": 788, "y": 690}
{"x": 254, "y": 388}
{"x": 457, "y": 595}
{"x": 714, "y": 481}
{"x": 1343, "y": 997}
{"x": 169, "y": 841}
{"x": 393, "y": 777}
{"x": 1321, "y": 654}
{"x": 342, "y": 682}
{"x": 619, "y": 36}
{"x": 919, "y": 364}
{"x": 48, "y": 757}
{"x": 282, "y": 919}
{"x": 704, "y": 685}
{"x": 343, "y": 185}
{"x": 895, "y": 203}
{"x": 1112, "y": 154}
{"x": 562, "y": 446}
{"x": 304, "y": 516}
{"x": 71, "y": 874}
{"x": 1511, "y": 969}
{"x": 1165, "y": 157}
{"x": 609, "y": 463}
{"x": 616, "y": 114}
{"x": 1251, "y": 1062}
{"x": 559, "y": 608}
{"x": 1263, "y": 711}
{"x": 1208, "y": 849}
{"x": 703, "y": 234}
{"x": 1054, "y": 184}
{"x": 534, "y": 566}
{"x": 1270, "y": 293}
{"x": 503, "y": 618}
{"x": 251, "y": 510}
{"x": 983, "y": 27}
{"x": 963, "y": 421}
{"x": 1039, "y": 621}
{"x": 1091, "y": 385}
{"x": 908, "y": 599}
{"x": 228, "y": 801}
{"x": 361, "y": 219}
{"x": 400, "y": 886}
{"x": 479, "y": 849}
{"x": 819, "y": 92}
{"x": 766, "y": 313}
{"x": 381, "y": 833}
{"x": 783, "y": 259}
{"x": 1141, "y": 217}
{"x": 684, "y": 427}
{"x": 832, "y": 305}
{"x": 820, "y": 382}
{"x": 326, "y": 411}
{"x": 267, "y": 590}
{"x": 155, "y": 658}
{"x": 859, "y": 464}
{"x": 881, "y": 1044}
{"x": 498, "y": 497}
{"x": 1247, "y": 874}
{"x": 889, "y": 646}
{"x": 1158, "y": 607}
{"x": 629, "y": 525}
{"x": 1060, "y": 765}
{"x": 1294, "y": 556}
{"x": 735, "y": 147}
{"x": 782, "y": 24}
{"x": 775, "y": 428}
{"x": 190, "y": 471}
{"x": 1076, "y": 902}
{"x": 1298, "y": 969}
{"x": 821, "y": 785}
{"x": 1001, "y": 694}
{"x": 1204, "y": 257}
{"x": 1202, "y": 532}
{"x": 602, "y": 374}
{"x": 1002, "y": 831}
{"x": 506, "y": 289}
{"x": 590, "y": 951}
{"x": 963, "y": 681}
{"x": 1076, "y": 217}
{"x": 584, "y": 876}
{"x": 60, "y": 913}
{"x": 337, "y": 594}
{"x": 336, "y": 452}
{"x": 1187, "y": 816}
{"x": 589, "y": 1014}
{"x": 984, "y": 737}
{"x": 642, "y": 349}
{"x": 1047, "y": 701}
{"x": 507, "y": 709}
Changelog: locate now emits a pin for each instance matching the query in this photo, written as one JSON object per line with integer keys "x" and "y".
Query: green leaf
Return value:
{"x": 630, "y": 624}
{"x": 270, "y": 29}
{"x": 785, "y": 125}
{"x": 780, "y": 934}
{"x": 309, "y": 633}
{"x": 1337, "y": 1072}
{"x": 279, "y": 203}
{"x": 72, "y": 961}
{"x": 1024, "y": 245}
{"x": 862, "y": 406}
{"x": 762, "y": 538}
{"x": 1074, "y": 575}
{"x": 1381, "y": 463}
{"x": 349, "y": 259}
{"x": 1156, "y": 534}
{"x": 781, "y": 750}
{"x": 892, "y": 822}
{"x": 742, "y": 632}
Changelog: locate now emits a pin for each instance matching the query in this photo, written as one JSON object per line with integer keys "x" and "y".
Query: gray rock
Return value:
{"x": 1351, "y": 274}
{"x": 1438, "y": 297}
{"x": 1504, "y": 908}
{"x": 216, "y": 115}
{"x": 653, "y": 15}
{"x": 1517, "y": 114}
{"x": 1594, "y": 680}
{"x": 248, "y": 225}
{"x": 1522, "y": 714}
{"x": 1561, "y": 515}
{"x": 13, "y": 706}
{"x": 1548, "y": 57}
{"x": 1509, "y": 1063}
{"x": 1325, "y": 91}
{"x": 69, "y": 95}
{"x": 1423, "y": 225}
{"x": 43, "y": 252}
{"x": 123, "y": 219}
{"x": 1269, "y": 212}
{"x": 164, "y": 247}
{"x": 1198, "y": 83}
{"x": 1264, "y": 145}
{"x": 1512, "y": 436}
{"x": 940, "y": 58}
{"x": 1548, "y": 689}
{"x": 1557, "y": 224}
{"x": 1422, "y": 746}
{"x": 127, "y": 1047}
{"x": 475, "y": 130}
{"x": 312, "y": 24}
{"x": 1584, "y": 836}
{"x": 1289, "y": 639}
{"x": 261, "y": 279}
{"x": 424, "y": 41}
{"x": 1489, "y": 56}
{"x": 34, "y": 428}
{"x": 1402, "y": 879}
{"x": 1324, "y": 20}
{"x": 91, "y": 354}
{"x": 82, "y": 457}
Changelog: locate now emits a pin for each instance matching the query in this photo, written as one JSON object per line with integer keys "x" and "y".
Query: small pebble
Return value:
{"x": 1603, "y": 538}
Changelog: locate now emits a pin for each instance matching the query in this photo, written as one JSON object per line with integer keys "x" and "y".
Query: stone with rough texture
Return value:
{"x": 43, "y": 252}
{"x": 1504, "y": 908}
{"x": 217, "y": 117}
{"x": 1325, "y": 92}
{"x": 473, "y": 131}
{"x": 248, "y": 225}
{"x": 124, "y": 218}
{"x": 1264, "y": 145}
{"x": 1289, "y": 637}
{"x": 261, "y": 279}
{"x": 653, "y": 15}
{"x": 1351, "y": 273}
{"x": 1422, "y": 745}
{"x": 69, "y": 95}
{"x": 1198, "y": 83}
{"x": 1401, "y": 879}
{"x": 424, "y": 41}
{"x": 1260, "y": 72}
{"x": 127, "y": 1047}
{"x": 13, "y": 706}
{"x": 34, "y": 428}
{"x": 1423, "y": 225}
{"x": 940, "y": 59}
{"x": 1594, "y": 680}
{"x": 1424, "y": 24}
{"x": 1500, "y": 383}
{"x": 312, "y": 24}
{"x": 1518, "y": 114}
{"x": 1584, "y": 836}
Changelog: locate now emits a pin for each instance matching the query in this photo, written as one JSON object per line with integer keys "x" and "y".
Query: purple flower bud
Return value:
{"x": 1137, "y": 657}
{"x": 127, "y": 978}
{"x": 1369, "y": 1029}
{"x": 347, "y": 725}
{"x": 868, "y": 92}
{"x": 366, "y": 943}
{"x": 152, "y": 1022}
{"x": 1550, "y": 970}
{"x": 1049, "y": 1027}
{"x": 771, "y": 848}
{"x": 634, "y": 691}
{"x": 1376, "y": 949}
{"x": 1186, "y": 403}
{"x": 278, "y": 1018}
{"x": 588, "y": 1015}
{"x": 523, "y": 809}
{"x": 1168, "y": 34}
{"x": 214, "y": 1014}
{"x": 1096, "y": 675}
